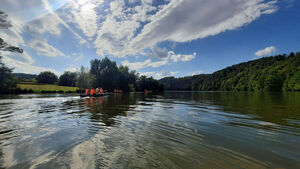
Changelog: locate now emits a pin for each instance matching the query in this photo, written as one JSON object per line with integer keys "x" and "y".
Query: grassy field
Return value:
{"x": 37, "y": 88}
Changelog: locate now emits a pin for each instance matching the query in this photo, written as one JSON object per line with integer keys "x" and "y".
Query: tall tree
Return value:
{"x": 85, "y": 80}
{"x": 67, "y": 79}
{"x": 106, "y": 73}
{"x": 8, "y": 82}
{"x": 127, "y": 79}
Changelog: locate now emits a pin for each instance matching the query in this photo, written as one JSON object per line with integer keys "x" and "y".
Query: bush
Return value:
{"x": 67, "y": 79}
{"x": 8, "y": 82}
{"x": 47, "y": 77}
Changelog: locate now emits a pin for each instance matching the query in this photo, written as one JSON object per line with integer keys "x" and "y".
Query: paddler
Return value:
{"x": 87, "y": 91}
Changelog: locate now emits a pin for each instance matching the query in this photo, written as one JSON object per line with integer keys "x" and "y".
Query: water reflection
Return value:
{"x": 168, "y": 130}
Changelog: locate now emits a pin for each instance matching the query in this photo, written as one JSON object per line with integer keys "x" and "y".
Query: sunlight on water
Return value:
{"x": 170, "y": 130}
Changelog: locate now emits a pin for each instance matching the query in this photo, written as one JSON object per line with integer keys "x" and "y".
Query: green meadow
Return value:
{"x": 38, "y": 88}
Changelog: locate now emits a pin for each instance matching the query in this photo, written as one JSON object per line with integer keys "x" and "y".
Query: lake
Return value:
{"x": 137, "y": 130}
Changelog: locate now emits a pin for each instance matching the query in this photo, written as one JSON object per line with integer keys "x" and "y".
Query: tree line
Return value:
{"x": 103, "y": 73}
{"x": 275, "y": 73}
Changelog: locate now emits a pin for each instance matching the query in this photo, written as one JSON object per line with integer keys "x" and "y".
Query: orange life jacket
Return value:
{"x": 92, "y": 91}
{"x": 86, "y": 91}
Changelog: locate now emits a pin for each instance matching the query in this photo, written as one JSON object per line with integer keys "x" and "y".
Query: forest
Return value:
{"x": 275, "y": 73}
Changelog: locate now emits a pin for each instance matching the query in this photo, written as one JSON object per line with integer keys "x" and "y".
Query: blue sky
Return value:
{"x": 156, "y": 38}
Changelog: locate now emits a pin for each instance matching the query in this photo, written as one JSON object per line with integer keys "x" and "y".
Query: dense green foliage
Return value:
{"x": 144, "y": 83}
{"x": 278, "y": 73}
{"x": 8, "y": 82}
{"x": 106, "y": 73}
{"x": 85, "y": 79}
{"x": 67, "y": 79}
{"x": 47, "y": 77}
{"x": 109, "y": 76}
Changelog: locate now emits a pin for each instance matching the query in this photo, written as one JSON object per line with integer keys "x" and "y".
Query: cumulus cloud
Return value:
{"x": 180, "y": 57}
{"x": 83, "y": 14}
{"x": 171, "y": 57}
{"x": 144, "y": 64}
{"x": 24, "y": 67}
{"x": 120, "y": 26}
{"x": 46, "y": 24}
{"x": 44, "y": 49}
{"x": 265, "y": 52}
{"x": 128, "y": 30}
{"x": 187, "y": 20}
{"x": 23, "y": 57}
{"x": 159, "y": 75}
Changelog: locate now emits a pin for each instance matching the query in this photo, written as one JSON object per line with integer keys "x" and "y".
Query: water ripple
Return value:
{"x": 172, "y": 130}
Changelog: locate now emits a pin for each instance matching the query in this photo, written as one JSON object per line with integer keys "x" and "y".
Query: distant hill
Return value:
{"x": 277, "y": 73}
{"x": 25, "y": 76}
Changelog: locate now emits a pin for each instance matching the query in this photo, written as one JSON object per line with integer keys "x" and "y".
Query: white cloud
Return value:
{"x": 171, "y": 57}
{"x": 159, "y": 75}
{"x": 144, "y": 64}
{"x": 12, "y": 35}
{"x": 22, "y": 67}
{"x": 196, "y": 72}
{"x": 72, "y": 69}
{"x": 129, "y": 30}
{"x": 122, "y": 30}
{"x": 22, "y": 57}
{"x": 267, "y": 51}
{"x": 187, "y": 20}
{"x": 180, "y": 57}
{"x": 120, "y": 26}
{"x": 83, "y": 13}
{"x": 46, "y": 24}
{"x": 44, "y": 49}
{"x": 48, "y": 7}
{"x": 38, "y": 18}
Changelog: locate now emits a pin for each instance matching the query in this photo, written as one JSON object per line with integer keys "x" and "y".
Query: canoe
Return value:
{"x": 94, "y": 95}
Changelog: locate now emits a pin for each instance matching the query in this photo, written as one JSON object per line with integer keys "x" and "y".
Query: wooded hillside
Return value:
{"x": 277, "y": 73}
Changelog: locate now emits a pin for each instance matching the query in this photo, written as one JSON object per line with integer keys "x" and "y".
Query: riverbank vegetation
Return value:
{"x": 102, "y": 74}
{"x": 278, "y": 73}
{"x": 45, "y": 88}
{"x": 107, "y": 75}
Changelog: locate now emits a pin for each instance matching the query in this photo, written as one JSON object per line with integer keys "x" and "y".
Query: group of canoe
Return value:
{"x": 100, "y": 92}
{"x": 97, "y": 92}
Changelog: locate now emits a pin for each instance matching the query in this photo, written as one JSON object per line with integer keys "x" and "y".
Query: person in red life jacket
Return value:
{"x": 101, "y": 91}
{"x": 92, "y": 91}
{"x": 87, "y": 91}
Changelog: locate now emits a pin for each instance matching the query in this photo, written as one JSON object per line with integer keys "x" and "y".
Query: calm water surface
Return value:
{"x": 170, "y": 130}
